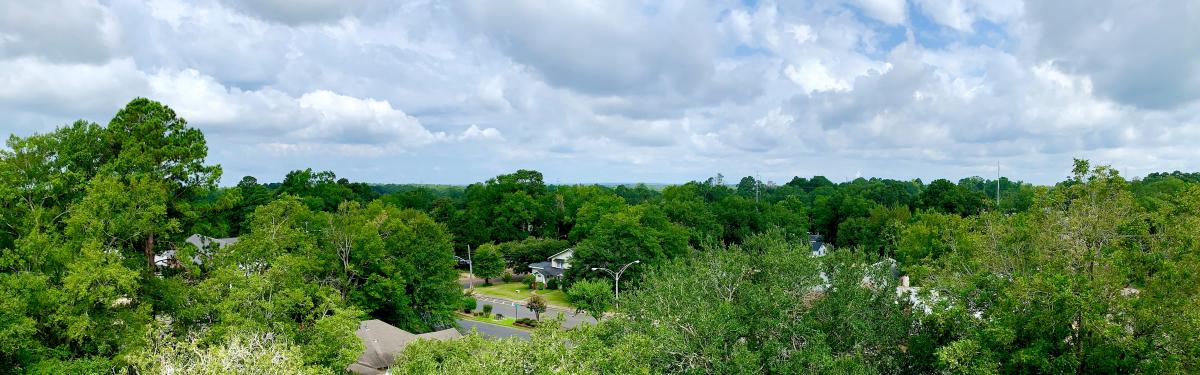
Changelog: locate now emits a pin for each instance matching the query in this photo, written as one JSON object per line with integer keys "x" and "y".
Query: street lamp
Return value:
{"x": 617, "y": 278}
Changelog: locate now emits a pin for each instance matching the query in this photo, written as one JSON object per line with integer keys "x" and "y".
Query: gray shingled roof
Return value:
{"x": 382, "y": 342}
{"x": 545, "y": 269}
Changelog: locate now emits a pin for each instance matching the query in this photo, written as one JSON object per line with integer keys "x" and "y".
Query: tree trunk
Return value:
{"x": 149, "y": 251}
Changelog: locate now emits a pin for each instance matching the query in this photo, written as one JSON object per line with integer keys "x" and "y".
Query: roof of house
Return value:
{"x": 546, "y": 269}
{"x": 560, "y": 253}
{"x": 201, "y": 241}
{"x": 818, "y": 241}
{"x": 445, "y": 334}
{"x": 382, "y": 342}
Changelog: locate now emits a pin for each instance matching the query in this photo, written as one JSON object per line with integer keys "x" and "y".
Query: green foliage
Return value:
{"x": 520, "y": 254}
{"x": 331, "y": 342}
{"x": 537, "y": 304}
{"x": 488, "y": 261}
{"x": 877, "y": 233}
{"x": 595, "y": 297}
{"x": 238, "y": 354}
{"x": 583, "y": 350}
{"x": 149, "y": 144}
{"x": 1070, "y": 286}
{"x": 469, "y": 304}
{"x": 323, "y": 191}
{"x": 684, "y": 205}
{"x": 398, "y": 265}
{"x": 89, "y": 208}
{"x": 1093, "y": 275}
{"x": 929, "y": 238}
{"x": 945, "y": 196}
{"x": 764, "y": 308}
{"x": 640, "y": 232}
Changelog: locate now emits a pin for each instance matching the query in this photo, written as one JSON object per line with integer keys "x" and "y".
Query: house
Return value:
{"x": 553, "y": 267}
{"x": 382, "y": 342}
{"x": 819, "y": 247}
{"x": 204, "y": 244}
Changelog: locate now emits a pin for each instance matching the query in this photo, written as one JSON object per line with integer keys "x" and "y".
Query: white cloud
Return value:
{"x": 625, "y": 90}
{"x": 1145, "y": 54}
{"x": 603, "y": 48}
{"x": 887, "y": 11}
{"x": 475, "y": 133}
{"x": 351, "y": 120}
{"x": 951, "y": 13}
{"x": 813, "y": 76}
{"x": 59, "y": 30}
{"x": 71, "y": 89}
{"x": 298, "y": 12}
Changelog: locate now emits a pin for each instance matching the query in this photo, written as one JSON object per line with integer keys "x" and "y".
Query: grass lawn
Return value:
{"x": 508, "y": 321}
{"x": 518, "y": 292}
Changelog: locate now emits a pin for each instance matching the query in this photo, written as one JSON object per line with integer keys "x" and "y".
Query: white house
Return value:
{"x": 553, "y": 267}
{"x": 819, "y": 247}
{"x": 204, "y": 244}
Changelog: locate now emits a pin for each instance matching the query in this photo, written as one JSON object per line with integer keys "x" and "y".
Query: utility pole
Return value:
{"x": 470, "y": 268}
{"x": 617, "y": 278}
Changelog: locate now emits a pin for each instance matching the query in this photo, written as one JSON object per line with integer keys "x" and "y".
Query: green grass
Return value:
{"x": 518, "y": 292}
{"x": 508, "y": 321}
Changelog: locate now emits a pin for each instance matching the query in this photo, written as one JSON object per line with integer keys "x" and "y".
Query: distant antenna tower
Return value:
{"x": 997, "y": 185}
{"x": 757, "y": 186}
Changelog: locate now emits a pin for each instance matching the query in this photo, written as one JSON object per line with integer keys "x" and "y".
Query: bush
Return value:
{"x": 526, "y": 322}
{"x": 487, "y": 308}
{"x": 529, "y": 280}
{"x": 552, "y": 283}
{"x": 469, "y": 304}
{"x": 507, "y": 276}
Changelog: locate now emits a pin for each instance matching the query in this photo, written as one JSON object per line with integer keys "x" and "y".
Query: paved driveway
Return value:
{"x": 490, "y": 330}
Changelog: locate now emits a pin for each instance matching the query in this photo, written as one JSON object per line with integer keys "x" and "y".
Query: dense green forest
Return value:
{"x": 1095, "y": 274}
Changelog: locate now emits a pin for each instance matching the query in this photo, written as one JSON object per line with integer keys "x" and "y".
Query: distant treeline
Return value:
{"x": 1095, "y": 274}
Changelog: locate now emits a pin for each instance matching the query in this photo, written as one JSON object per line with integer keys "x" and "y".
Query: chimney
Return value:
{"x": 904, "y": 281}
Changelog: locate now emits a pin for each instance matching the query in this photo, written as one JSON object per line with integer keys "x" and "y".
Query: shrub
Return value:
{"x": 526, "y": 322}
{"x": 529, "y": 280}
{"x": 507, "y": 276}
{"x": 487, "y": 308}
{"x": 552, "y": 283}
{"x": 537, "y": 304}
{"x": 469, "y": 304}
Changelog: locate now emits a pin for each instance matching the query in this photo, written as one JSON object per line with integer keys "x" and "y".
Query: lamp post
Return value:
{"x": 617, "y": 278}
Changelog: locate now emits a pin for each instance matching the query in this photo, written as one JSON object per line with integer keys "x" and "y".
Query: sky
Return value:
{"x": 627, "y": 91}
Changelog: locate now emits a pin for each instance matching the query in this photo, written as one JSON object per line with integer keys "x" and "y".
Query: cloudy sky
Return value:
{"x": 616, "y": 91}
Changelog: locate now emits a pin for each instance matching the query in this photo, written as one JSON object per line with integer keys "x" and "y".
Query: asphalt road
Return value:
{"x": 490, "y": 330}
{"x": 505, "y": 307}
